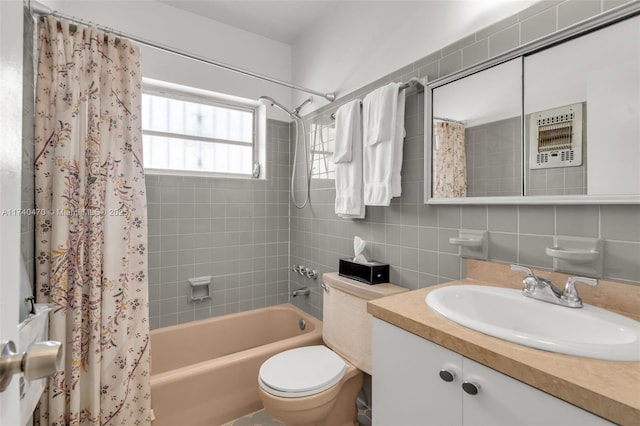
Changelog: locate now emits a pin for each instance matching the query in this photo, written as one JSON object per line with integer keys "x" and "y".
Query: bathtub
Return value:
{"x": 206, "y": 372}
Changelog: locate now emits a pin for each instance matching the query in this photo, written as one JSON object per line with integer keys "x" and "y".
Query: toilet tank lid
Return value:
{"x": 362, "y": 290}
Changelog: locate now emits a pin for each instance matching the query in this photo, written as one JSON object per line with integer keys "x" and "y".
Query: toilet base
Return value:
{"x": 334, "y": 407}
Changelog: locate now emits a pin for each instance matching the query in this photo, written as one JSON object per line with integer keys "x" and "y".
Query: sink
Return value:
{"x": 505, "y": 313}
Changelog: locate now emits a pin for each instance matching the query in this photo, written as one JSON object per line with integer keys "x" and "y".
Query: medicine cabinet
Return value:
{"x": 556, "y": 121}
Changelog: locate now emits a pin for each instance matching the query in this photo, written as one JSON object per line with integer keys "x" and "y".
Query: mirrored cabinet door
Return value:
{"x": 582, "y": 115}
{"x": 556, "y": 121}
{"x": 476, "y": 134}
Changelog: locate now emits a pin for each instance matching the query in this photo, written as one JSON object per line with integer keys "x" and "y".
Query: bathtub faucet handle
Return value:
{"x": 311, "y": 273}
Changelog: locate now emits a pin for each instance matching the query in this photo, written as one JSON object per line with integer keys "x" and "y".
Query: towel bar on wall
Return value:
{"x": 414, "y": 82}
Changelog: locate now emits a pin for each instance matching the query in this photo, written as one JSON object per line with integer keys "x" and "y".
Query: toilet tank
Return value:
{"x": 346, "y": 325}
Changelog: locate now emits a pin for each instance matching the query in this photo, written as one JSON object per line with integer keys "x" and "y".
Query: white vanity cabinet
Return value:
{"x": 409, "y": 389}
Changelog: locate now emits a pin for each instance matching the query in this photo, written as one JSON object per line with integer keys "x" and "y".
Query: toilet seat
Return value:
{"x": 301, "y": 371}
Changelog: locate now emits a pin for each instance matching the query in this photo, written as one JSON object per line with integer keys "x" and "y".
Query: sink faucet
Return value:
{"x": 542, "y": 289}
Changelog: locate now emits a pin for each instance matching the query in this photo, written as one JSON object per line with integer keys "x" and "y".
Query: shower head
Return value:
{"x": 299, "y": 125}
{"x": 306, "y": 101}
{"x": 273, "y": 102}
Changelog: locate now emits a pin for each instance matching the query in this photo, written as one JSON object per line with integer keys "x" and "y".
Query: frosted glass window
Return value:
{"x": 197, "y": 135}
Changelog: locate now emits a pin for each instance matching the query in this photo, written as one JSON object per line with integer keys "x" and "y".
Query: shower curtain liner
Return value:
{"x": 91, "y": 236}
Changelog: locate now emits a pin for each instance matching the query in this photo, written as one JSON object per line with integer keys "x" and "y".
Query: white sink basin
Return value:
{"x": 505, "y": 313}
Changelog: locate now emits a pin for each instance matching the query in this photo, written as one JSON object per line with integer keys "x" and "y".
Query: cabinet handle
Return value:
{"x": 447, "y": 375}
{"x": 471, "y": 388}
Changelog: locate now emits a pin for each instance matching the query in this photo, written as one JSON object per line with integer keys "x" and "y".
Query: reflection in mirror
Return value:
{"x": 597, "y": 77}
{"x": 322, "y": 140}
{"x": 476, "y": 142}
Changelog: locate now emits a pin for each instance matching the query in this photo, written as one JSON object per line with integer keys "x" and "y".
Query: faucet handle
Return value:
{"x": 530, "y": 282}
{"x": 524, "y": 269}
{"x": 570, "y": 294}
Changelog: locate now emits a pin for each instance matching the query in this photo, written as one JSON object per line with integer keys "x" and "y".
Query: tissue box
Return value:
{"x": 375, "y": 273}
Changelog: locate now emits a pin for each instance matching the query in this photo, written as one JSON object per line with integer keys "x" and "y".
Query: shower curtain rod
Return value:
{"x": 39, "y": 9}
{"x": 449, "y": 120}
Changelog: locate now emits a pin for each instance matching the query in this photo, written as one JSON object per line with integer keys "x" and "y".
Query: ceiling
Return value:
{"x": 279, "y": 20}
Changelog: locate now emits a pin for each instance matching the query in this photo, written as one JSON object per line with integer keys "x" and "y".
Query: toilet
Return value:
{"x": 318, "y": 385}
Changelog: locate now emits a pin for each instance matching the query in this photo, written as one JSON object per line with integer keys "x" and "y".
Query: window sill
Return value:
{"x": 194, "y": 173}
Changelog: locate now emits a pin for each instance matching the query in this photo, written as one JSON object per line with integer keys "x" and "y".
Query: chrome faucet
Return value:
{"x": 304, "y": 291}
{"x": 542, "y": 289}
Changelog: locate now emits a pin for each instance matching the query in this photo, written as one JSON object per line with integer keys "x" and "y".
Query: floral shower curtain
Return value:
{"x": 91, "y": 234}
{"x": 449, "y": 160}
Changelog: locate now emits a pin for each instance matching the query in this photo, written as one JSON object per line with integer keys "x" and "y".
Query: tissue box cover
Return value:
{"x": 375, "y": 273}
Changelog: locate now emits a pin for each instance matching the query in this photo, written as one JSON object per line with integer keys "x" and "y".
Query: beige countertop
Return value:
{"x": 610, "y": 389}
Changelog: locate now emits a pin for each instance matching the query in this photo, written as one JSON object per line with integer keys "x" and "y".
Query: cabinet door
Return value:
{"x": 407, "y": 389}
{"x": 502, "y": 400}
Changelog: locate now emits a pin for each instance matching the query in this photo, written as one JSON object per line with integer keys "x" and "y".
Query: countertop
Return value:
{"x": 610, "y": 389}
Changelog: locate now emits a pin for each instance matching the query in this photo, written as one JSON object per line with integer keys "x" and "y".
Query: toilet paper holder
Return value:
{"x": 41, "y": 359}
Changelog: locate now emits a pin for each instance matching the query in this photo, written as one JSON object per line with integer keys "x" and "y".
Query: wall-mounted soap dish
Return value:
{"x": 473, "y": 244}
{"x": 199, "y": 289}
{"x": 572, "y": 256}
{"x": 577, "y": 255}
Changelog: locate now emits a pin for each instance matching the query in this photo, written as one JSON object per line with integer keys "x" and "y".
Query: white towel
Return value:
{"x": 344, "y": 132}
{"x": 383, "y": 134}
{"x": 348, "y": 161}
{"x": 398, "y": 143}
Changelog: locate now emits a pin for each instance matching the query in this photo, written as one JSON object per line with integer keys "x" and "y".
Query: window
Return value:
{"x": 322, "y": 145}
{"x": 191, "y": 131}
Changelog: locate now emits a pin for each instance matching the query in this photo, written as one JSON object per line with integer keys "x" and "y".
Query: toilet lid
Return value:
{"x": 301, "y": 371}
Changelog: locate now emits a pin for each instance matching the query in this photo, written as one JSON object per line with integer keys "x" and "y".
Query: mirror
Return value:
{"x": 476, "y": 134}
{"x": 554, "y": 122}
{"x": 599, "y": 74}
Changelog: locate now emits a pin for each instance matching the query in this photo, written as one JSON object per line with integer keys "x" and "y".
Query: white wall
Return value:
{"x": 483, "y": 97}
{"x": 189, "y": 32}
{"x": 355, "y": 44}
{"x": 10, "y": 179}
{"x": 361, "y": 42}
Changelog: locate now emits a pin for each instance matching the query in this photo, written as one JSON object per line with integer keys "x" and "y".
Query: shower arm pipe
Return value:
{"x": 42, "y": 10}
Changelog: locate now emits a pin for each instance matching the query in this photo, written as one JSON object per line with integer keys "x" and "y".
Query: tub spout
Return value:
{"x": 304, "y": 291}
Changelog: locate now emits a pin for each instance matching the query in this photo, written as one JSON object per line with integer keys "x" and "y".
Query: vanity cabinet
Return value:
{"x": 417, "y": 382}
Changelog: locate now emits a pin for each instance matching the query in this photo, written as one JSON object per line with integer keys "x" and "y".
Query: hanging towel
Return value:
{"x": 383, "y": 134}
{"x": 398, "y": 143}
{"x": 348, "y": 161}
{"x": 344, "y": 132}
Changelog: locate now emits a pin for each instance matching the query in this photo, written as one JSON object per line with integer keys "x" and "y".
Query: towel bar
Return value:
{"x": 414, "y": 82}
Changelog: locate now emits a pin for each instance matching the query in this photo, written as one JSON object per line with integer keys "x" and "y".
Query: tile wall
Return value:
{"x": 413, "y": 237}
{"x": 234, "y": 230}
{"x": 493, "y": 159}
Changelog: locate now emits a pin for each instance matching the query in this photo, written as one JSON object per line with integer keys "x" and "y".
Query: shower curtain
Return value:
{"x": 449, "y": 160}
{"x": 91, "y": 231}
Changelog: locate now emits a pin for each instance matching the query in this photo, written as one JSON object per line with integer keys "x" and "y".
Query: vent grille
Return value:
{"x": 555, "y": 137}
{"x": 545, "y": 157}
